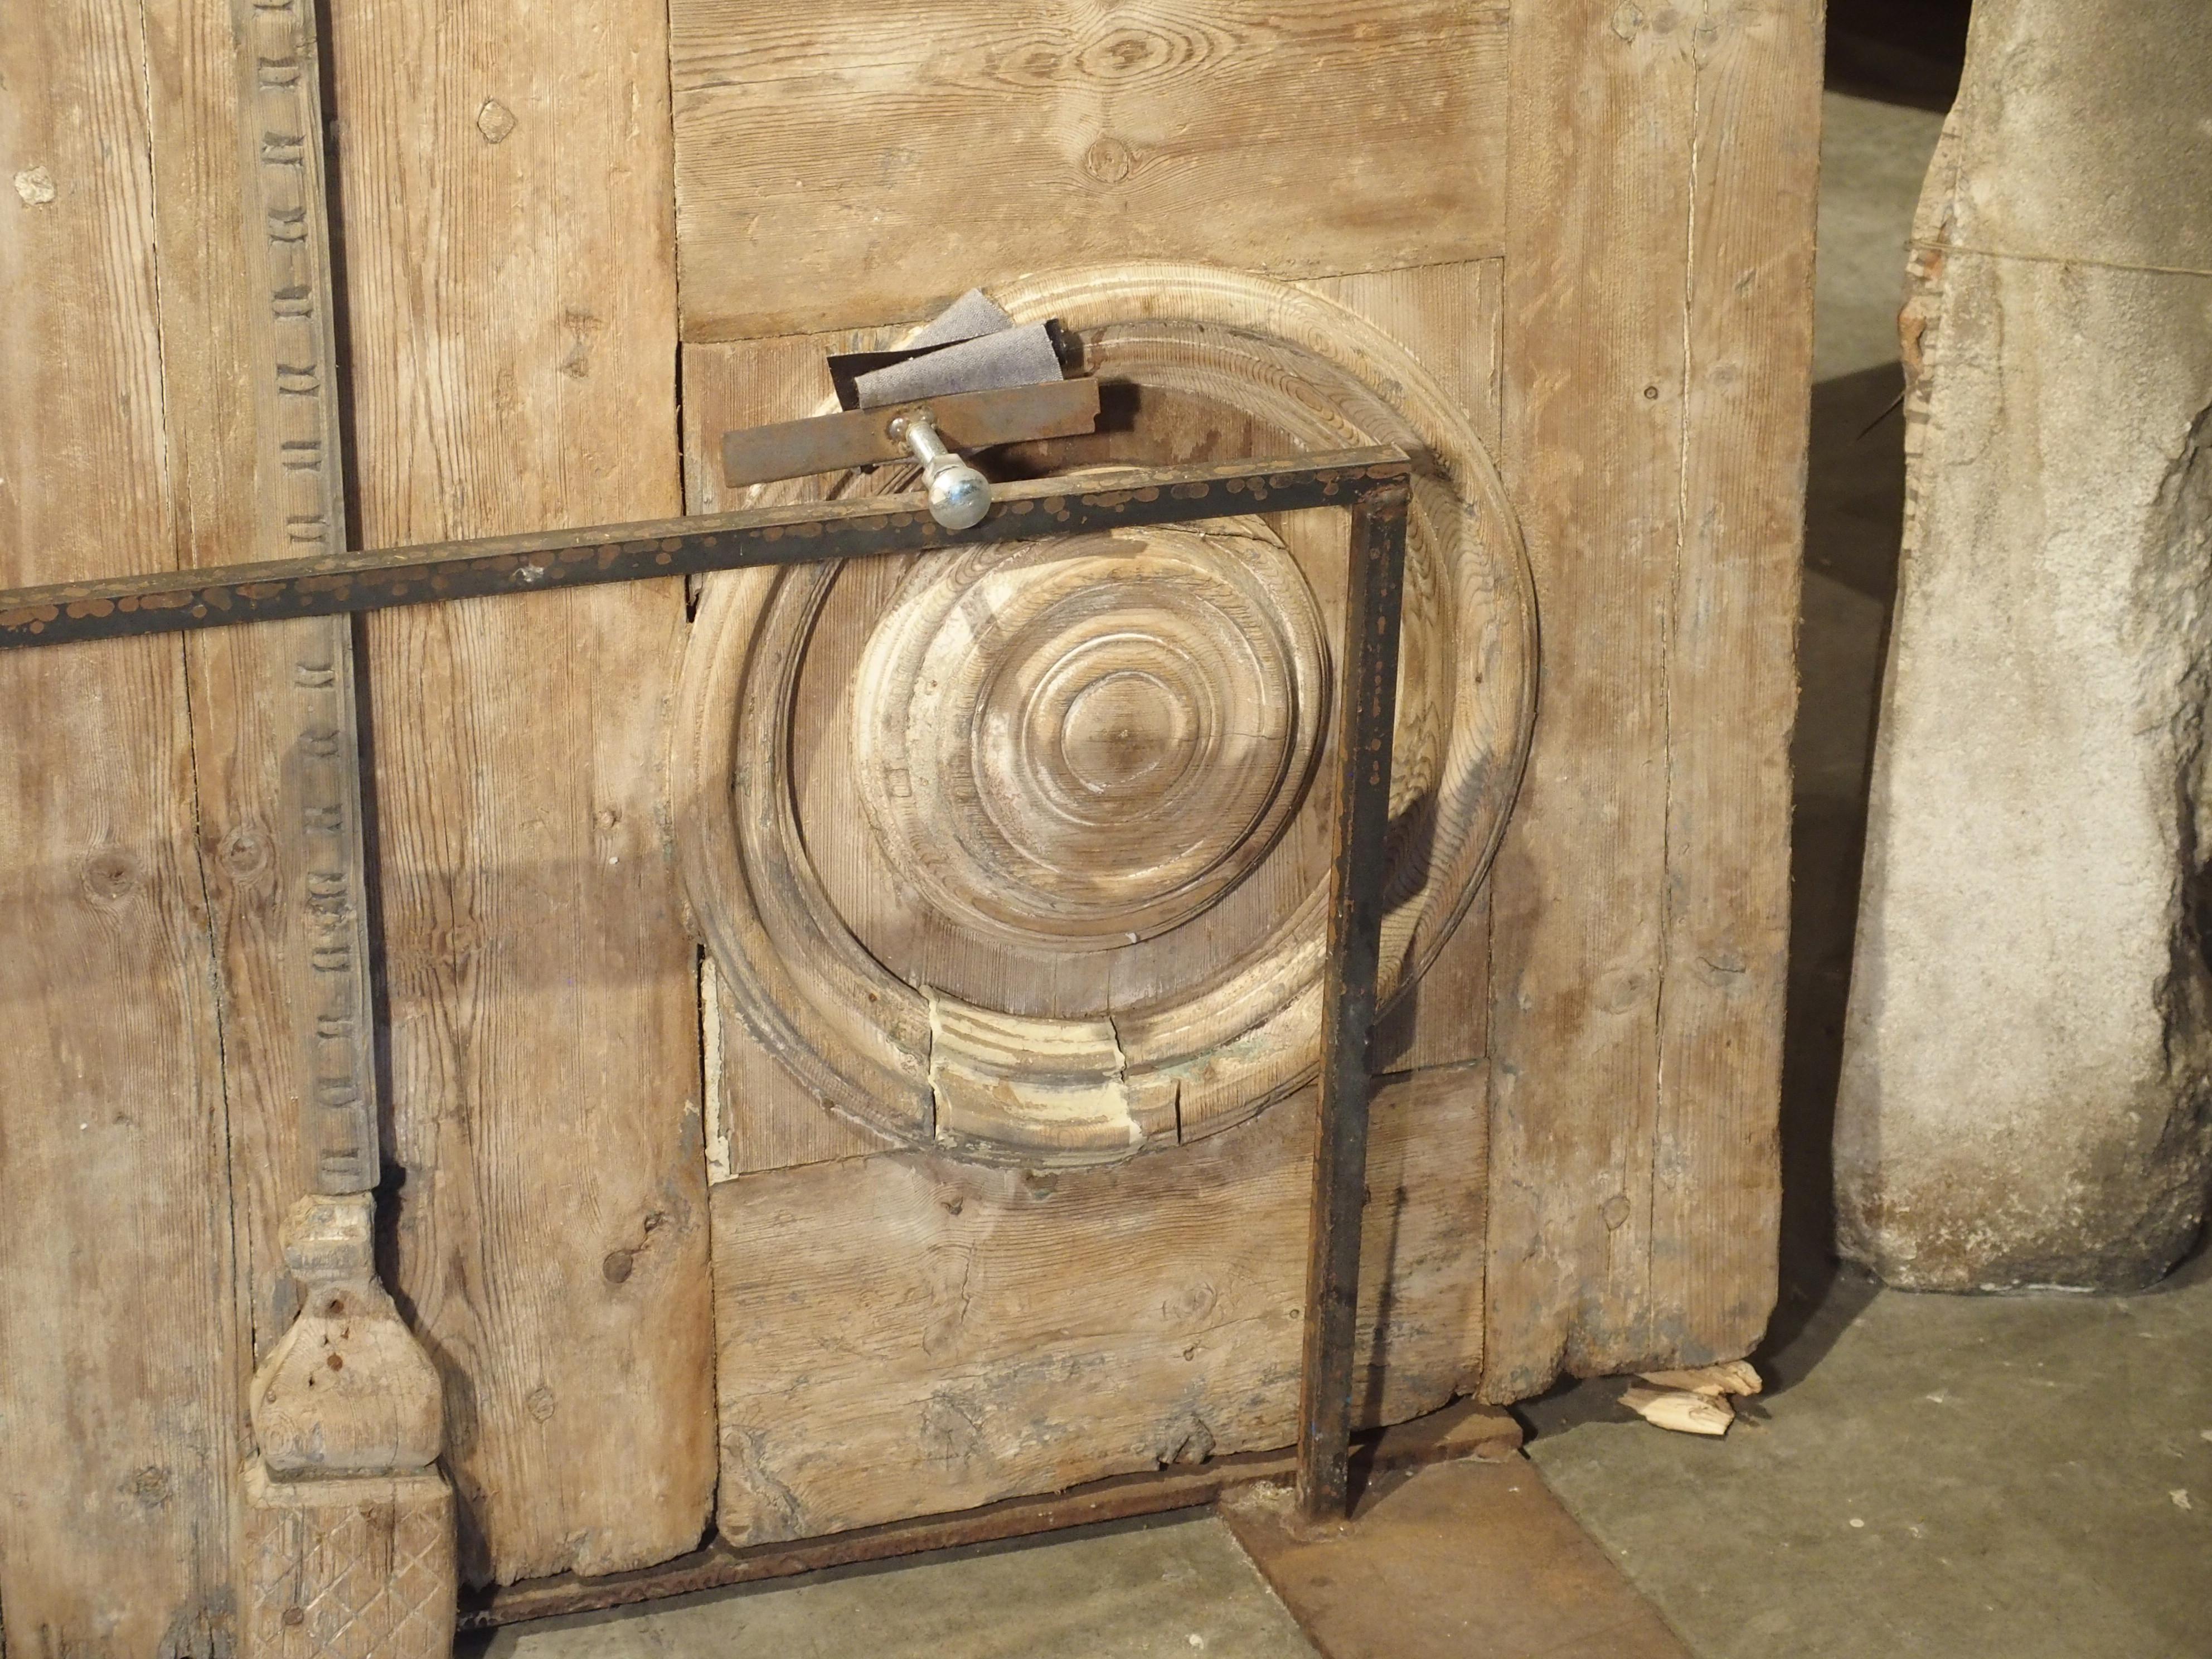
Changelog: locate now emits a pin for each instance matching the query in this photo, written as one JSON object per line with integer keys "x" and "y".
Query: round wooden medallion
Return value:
{"x": 1084, "y": 743}
{"x": 1023, "y": 850}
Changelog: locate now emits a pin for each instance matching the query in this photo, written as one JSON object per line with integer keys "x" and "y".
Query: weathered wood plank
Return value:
{"x": 1597, "y": 215}
{"x": 1657, "y": 313}
{"x": 759, "y": 1116}
{"x": 903, "y": 1335}
{"x": 119, "y": 1359}
{"x": 358, "y": 1566}
{"x": 511, "y": 293}
{"x": 252, "y": 434}
{"x": 1732, "y": 681}
{"x": 856, "y": 163}
{"x": 1447, "y": 316}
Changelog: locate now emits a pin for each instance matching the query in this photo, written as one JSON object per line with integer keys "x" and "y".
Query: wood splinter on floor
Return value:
{"x": 1692, "y": 1401}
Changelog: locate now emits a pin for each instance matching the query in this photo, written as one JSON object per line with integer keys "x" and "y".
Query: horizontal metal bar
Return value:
{"x": 170, "y": 602}
{"x": 966, "y": 420}
{"x": 1459, "y": 1431}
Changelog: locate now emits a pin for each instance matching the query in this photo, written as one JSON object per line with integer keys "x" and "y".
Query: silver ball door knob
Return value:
{"x": 959, "y": 496}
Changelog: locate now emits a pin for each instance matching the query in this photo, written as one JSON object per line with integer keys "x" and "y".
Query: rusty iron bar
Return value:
{"x": 1374, "y": 483}
{"x": 170, "y": 602}
{"x": 1458, "y": 1431}
{"x": 862, "y": 437}
{"x": 1366, "y": 723}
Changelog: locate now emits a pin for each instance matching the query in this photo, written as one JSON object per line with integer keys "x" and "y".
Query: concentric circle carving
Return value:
{"x": 1085, "y": 743}
{"x": 1024, "y": 850}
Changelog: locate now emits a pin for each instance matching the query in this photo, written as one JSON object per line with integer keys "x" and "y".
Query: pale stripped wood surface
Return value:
{"x": 1598, "y": 203}
{"x": 763, "y": 1118}
{"x": 1654, "y": 385}
{"x": 120, "y": 1356}
{"x": 1449, "y": 316}
{"x": 1493, "y": 653}
{"x": 247, "y": 854}
{"x": 860, "y": 163}
{"x": 1086, "y": 743}
{"x": 304, "y": 1593}
{"x": 905, "y": 1334}
{"x": 252, "y": 434}
{"x": 1732, "y": 677}
{"x": 510, "y": 270}
{"x": 1446, "y": 314}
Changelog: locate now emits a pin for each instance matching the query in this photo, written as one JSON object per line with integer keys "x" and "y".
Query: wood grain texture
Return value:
{"x": 1655, "y": 310}
{"x": 1085, "y": 742}
{"x": 760, "y": 1117}
{"x": 510, "y": 271}
{"x": 1449, "y": 317}
{"x": 1732, "y": 677}
{"x": 250, "y": 427}
{"x": 359, "y": 1569}
{"x": 120, "y": 1358}
{"x": 347, "y": 1389}
{"x": 856, "y": 960}
{"x": 861, "y": 162}
{"x": 907, "y": 1334}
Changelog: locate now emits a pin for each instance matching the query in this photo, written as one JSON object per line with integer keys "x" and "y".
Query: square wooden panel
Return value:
{"x": 860, "y": 161}
{"x": 760, "y": 1118}
{"x": 910, "y": 1334}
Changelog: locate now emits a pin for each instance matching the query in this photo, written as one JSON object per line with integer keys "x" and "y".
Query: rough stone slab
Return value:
{"x": 1452, "y": 1561}
{"x": 2027, "y": 1096}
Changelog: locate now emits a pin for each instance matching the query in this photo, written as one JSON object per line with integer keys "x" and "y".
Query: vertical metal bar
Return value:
{"x": 1366, "y": 721}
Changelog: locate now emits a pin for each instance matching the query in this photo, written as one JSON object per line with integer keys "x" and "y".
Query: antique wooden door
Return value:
{"x": 846, "y": 1034}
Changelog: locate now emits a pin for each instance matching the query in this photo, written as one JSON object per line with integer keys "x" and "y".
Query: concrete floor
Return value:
{"x": 1143, "y": 1589}
{"x": 1955, "y": 1478}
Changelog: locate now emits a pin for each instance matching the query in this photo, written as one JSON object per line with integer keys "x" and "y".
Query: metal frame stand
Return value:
{"x": 1372, "y": 484}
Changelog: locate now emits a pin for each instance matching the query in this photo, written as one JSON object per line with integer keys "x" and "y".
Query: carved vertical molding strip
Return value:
{"x": 280, "y": 111}
{"x": 346, "y": 1543}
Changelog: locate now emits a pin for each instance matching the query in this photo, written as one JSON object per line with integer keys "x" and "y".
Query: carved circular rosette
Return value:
{"x": 1096, "y": 765}
{"x": 1085, "y": 743}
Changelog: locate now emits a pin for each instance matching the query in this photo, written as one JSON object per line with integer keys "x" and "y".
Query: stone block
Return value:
{"x": 2027, "y": 1094}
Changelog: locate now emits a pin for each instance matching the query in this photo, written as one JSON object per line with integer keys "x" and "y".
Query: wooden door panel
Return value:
{"x": 1605, "y": 281}
{"x": 1657, "y": 350}
{"x": 862, "y": 161}
{"x": 811, "y": 1444}
{"x": 862, "y": 972}
{"x": 1447, "y": 316}
{"x": 511, "y": 281}
{"x": 121, "y": 1358}
{"x": 909, "y": 1334}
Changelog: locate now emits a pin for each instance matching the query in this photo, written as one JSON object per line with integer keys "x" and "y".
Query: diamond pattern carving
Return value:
{"x": 358, "y": 1568}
